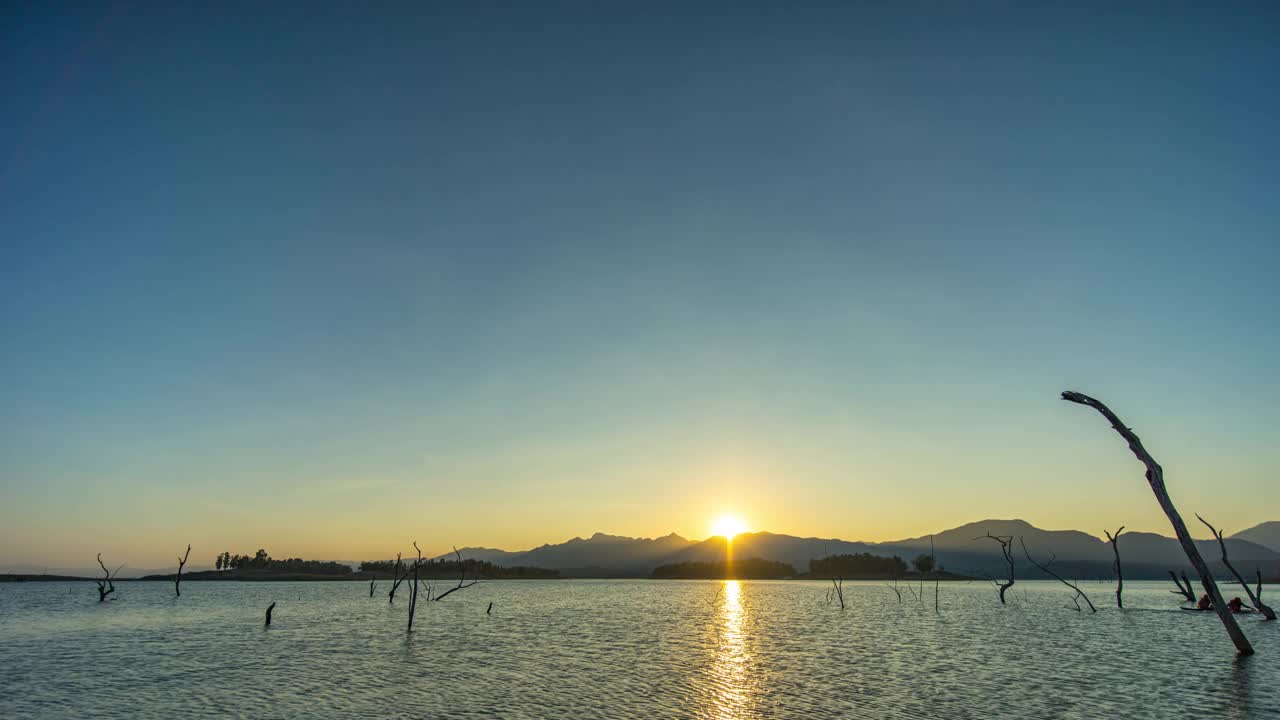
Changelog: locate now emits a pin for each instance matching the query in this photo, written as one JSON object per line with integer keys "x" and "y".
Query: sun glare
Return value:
{"x": 727, "y": 526}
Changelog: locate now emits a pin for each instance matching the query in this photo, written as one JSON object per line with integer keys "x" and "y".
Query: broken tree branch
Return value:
{"x": 1045, "y": 569}
{"x": 462, "y": 584}
{"x": 1187, "y": 592}
{"x": 413, "y": 590}
{"x": 1155, "y": 478}
{"x": 270, "y": 609}
{"x": 1006, "y": 541}
{"x": 105, "y": 586}
{"x": 396, "y": 578}
{"x": 1254, "y": 599}
{"x": 1115, "y": 547}
{"x": 177, "y": 579}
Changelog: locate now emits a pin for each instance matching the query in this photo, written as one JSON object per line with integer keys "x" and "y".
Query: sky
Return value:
{"x": 329, "y": 278}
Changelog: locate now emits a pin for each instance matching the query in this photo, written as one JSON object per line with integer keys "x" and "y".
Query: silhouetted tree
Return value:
{"x": 106, "y": 586}
{"x": 1155, "y": 478}
{"x": 396, "y": 578}
{"x": 1006, "y": 542}
{"x": 413, "y": 590}
{"x": 218, "y": 565}
{"x": 923, "y": 564}
{"x": 1115, "y": 547}
{"x": 462, "y": 584}
{"x": 857, "y": 565}
{"x": 177, "y": 579}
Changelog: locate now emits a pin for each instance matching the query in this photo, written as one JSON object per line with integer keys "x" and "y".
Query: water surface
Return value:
{"x": 622, "y": 649}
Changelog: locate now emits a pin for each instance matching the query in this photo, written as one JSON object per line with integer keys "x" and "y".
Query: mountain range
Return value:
{"x": 963, "y": 550}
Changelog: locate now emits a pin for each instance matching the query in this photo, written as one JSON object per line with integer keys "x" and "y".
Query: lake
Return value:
{"x": 623, "y": 649}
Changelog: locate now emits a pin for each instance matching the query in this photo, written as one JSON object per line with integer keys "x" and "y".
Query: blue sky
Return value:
{"x": 324, "y": 278}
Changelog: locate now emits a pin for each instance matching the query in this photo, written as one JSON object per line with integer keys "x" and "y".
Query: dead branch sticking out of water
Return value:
{"x": 396, "y": 578}
{"x": 462, "y": 583}
{"x": 413, "y": 589}
{"x": 177, "y": 579}
{"x": 373, "y": 585}
{"x": 1006, "y": 545}
{"x": 933, "y": 568}
{"x": 270, "y": 608}
{"x": 1155, "y": 478}
{"x": 1115, "y": 547}
{"x": 106, "y": 586}
{"x": 1254, "y": 599}
{"x": 839, "y": 590}
{"x": 894, "y": 588}
{"x": 490, "y": 610}
{"x": 1187, "y": 592}
{"x": 1045, "y": 569}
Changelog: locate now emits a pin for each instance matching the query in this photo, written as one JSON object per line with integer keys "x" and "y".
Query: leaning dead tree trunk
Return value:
{"x": 373, "y": 585}
{"x": 105, "y": 585}
{"x": 462, "y": 584}
{"x": 1045, "y": 569}
{"x": 1255, "y": 600}
{"x": 1006, "y": 541}
{"x": 177, "y": 579}
{"x": 1115, "y": 547}
{"x": 270, "y": 608}
{"x": 839, "y": 590}
{"x": 1155, "y": 478}
{"x": 1187, "y": 592}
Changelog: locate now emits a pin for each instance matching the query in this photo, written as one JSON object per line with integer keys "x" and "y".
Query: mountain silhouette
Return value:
{"x": 1266, "y": 534}
{"x": 961, "y": 550}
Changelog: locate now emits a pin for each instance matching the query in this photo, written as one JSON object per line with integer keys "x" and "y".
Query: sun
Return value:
{"x": 727, "y": 526}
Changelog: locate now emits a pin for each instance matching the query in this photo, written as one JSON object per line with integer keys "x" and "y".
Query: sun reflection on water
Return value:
{"x": 731, "y": 667}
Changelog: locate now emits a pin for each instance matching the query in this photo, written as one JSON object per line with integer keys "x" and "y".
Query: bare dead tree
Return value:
{"x": 413, "y": 590}
{"x": 839, "y": 590}
{"x": 1254, "y": 599}
{"x": 1115, "y": 548}
{"x": 177, "y": 579}
{"x": 1006, "y": 545}
{"x": 894, "y": 588}
{"x": 105, "y": 585}
{"x": 933, "y": 568}
{"x": 490, "y": 610}
{"x": 373, "y": 585}
{"x": 270, "y": 608}
{"x": 396, "y": 578}
{"x": 1187, "y": 592}
{"x": 1155, "y": 478}
{"x": 1045, "y": 569}
{"x": 462, "y": 583}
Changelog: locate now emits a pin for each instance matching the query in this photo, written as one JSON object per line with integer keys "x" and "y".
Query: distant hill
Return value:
{"x": 600, "y": 555}
{"x": 961, "y": 550}
{"x": 1266, "y": 534}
